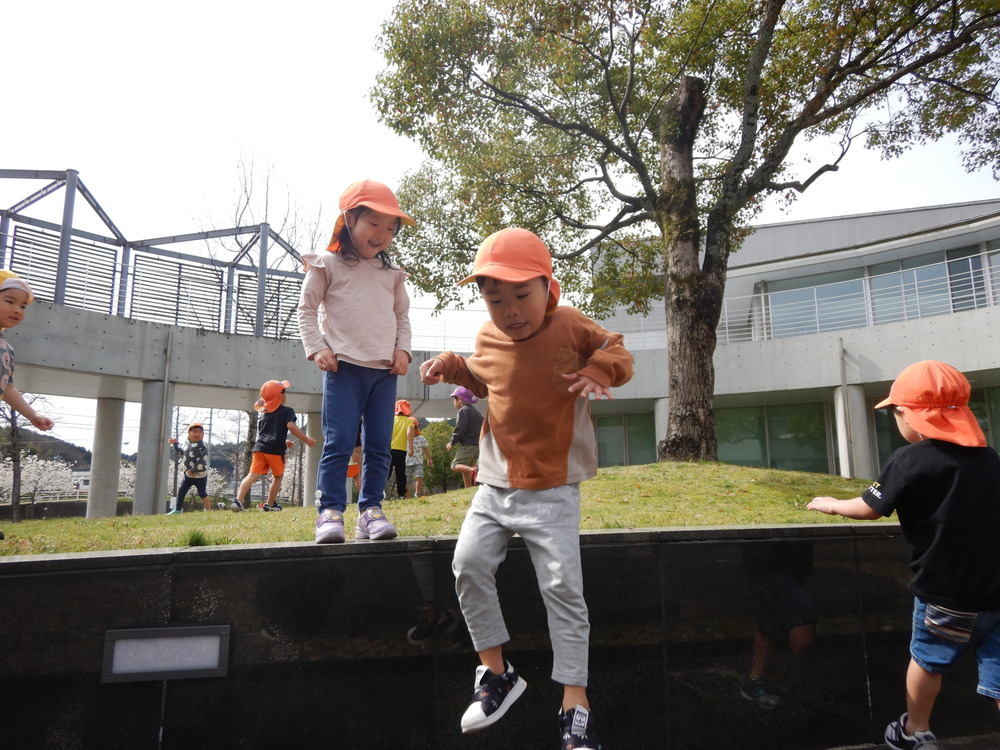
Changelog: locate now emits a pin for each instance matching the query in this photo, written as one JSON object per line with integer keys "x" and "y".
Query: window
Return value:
{"x": 626, "y": 440}
{"x": 784, "y": 437}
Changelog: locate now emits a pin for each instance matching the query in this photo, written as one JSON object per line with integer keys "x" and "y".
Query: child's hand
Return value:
{"x": 823, "y": 505}
{"x": 289, "y": 445}
{"x": 42, "y": 423}
{"x": 172, "y": 441}
{"x": 585, "y": 387}
{"x": 326, "y": 360}
{"x": 430, "y": 371}
{"x": 309, "y": 441}
{"x": 400, "y": 362}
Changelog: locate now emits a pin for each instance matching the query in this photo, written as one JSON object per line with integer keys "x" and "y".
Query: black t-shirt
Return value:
{"x": 272, "y": 430}
{"x": 947, "y": 498}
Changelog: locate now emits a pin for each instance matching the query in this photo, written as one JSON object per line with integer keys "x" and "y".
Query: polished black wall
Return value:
{"x": 320, "y": 658}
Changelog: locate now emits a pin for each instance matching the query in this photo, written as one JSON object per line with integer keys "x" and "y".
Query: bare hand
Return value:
{"x": 823, "y": 505}
{"x": 585, "y": 386}
{"x": 42, "y": 423}
{"x": 399, "y": 363}
{"x": 310, "y": 441}
{"x": 430, "y": 371}
{"x": 326, "y": 360}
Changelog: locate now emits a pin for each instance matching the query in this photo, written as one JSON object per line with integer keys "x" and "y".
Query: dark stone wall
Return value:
{"x": 320, "y": 656}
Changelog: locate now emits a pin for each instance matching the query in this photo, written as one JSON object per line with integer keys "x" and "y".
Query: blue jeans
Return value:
{"x": 941, "y": 636}
{"x": 351, "y": 395}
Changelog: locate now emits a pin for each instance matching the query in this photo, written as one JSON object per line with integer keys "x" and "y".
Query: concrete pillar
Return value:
{"x": 314, "y": 429}
{"x": 151, "y": 467}
{"x": 661, "y": 411}
{"x": 105, "y": 466}
{"x": 854, "y": 438}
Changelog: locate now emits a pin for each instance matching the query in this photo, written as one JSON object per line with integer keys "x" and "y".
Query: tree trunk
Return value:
{"x": 15, "y": 467}
{"x": 693, "y": 299}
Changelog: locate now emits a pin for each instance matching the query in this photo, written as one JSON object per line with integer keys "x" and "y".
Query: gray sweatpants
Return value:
{"x": 549, "y": 523}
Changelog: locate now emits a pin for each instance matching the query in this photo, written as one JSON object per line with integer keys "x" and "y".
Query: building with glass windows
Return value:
{"x": 819, "y": 318}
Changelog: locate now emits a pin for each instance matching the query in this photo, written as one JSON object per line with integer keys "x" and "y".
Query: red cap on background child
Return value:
{"x": 370, "y": 194}
{"x": 515, "y": 255}
{"x": 270, "y": 395}
{"x": 936, "y": 398}
{"x": 403, "y": 407}
{"x": 10, "y": 280}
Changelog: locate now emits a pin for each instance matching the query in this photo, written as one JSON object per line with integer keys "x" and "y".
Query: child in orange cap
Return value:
{"x": 945, "y": 487}
{"x": 354, "y": 322}
{"x": 401, "y": 425}
{"x": 538, "y": 364}
{"x": 15, "y": 296}
{"x": 274, "y": 422}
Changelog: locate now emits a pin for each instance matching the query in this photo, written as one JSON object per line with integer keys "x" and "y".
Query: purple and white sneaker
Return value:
{"x": 372, "y": 524}
{"x": 330, "y": 527}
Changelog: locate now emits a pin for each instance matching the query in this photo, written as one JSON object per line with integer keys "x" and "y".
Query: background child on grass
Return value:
{"x": 274, "y": 422}
{"x": 354, "y": 322}
{"x": 539, "y": 364}
{"x": 196, "y": 464}
{"x": 945, "y": 488}
{"x": 465, "y": 438}
{"x": 15, "y": 296}
{"x": 417, "y": 451}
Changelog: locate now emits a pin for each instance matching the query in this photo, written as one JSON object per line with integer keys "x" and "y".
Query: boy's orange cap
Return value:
{"x": 936, "y": 398}
{"x": 270, "y": 395}
{"x": 373, "y": 195}
{"x": 515, "y": 255}
{"x": 403, "y": 407}
{"x": 10, "y": 280}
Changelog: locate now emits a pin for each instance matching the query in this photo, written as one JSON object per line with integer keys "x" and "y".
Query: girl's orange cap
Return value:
{"x": 370, "y": 194}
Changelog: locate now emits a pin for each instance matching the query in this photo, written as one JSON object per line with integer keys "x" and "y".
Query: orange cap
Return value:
{"x": 936, "y": 398}
{"x": 373, "y": 195}
{"x": 515, "y": 255}
{"x": 10, "y": 280}
{"x": 403, "y": 407}
{"x": 196, "y": 424}
{"x": 270, "y": 395}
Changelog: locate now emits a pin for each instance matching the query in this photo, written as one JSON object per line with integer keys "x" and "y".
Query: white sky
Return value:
{"x": 155, "y": 106}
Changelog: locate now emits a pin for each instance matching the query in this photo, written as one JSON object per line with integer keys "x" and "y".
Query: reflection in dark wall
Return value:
{"x": 357, "y": 647}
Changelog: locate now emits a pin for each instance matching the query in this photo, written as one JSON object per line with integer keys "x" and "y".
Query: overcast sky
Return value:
{"x": 156, "y": 105}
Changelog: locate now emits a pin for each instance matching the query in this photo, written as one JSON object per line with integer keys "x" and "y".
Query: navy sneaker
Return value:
{"x": 493, "y": 696}
{"x": 237, "y": 506}
{"x": 265, "y": 506}
{"x": 897, "y": 738}
{"x": 754, "y": 689}
{"x": 578, "y": 732}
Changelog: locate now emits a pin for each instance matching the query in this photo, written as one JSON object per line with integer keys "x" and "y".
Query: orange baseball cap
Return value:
{"x": 373, "y": 195}
{"x": 196, "y": 424}
{"x": 403, "y": 407}
{"x": 936, "y": 398}
{"x": 515, "y": 255}
{"x": 270, "y": 395}
{"x": 10, "y": 280}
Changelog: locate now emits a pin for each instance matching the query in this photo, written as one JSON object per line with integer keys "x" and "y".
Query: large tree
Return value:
{"x": 639, "y": 138}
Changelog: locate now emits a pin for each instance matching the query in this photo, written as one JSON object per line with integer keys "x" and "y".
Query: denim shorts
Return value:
{"x": 941, "y": 636}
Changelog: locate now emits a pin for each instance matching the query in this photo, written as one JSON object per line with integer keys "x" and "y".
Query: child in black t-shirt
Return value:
{"x": 274, "y": 422}
{"x": 945, "y": 487}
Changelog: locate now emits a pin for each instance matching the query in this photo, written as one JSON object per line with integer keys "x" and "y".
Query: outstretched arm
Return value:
{"x": 294, "y": 429}
{"x": 854, "y": 508}
{"x": 14, "y": 398}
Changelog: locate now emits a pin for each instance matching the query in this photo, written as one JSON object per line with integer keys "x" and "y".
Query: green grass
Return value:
{"x": 627, "y": 497}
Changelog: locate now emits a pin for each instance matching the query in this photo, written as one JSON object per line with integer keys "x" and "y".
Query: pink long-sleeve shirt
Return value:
{"x": 360, "y": 310}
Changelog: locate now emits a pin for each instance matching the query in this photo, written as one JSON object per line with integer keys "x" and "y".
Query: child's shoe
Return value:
{"x": 897, "y": 738}
{"x": 265, "y": 506}
{"x": 493, "y": 695}
{"x": 431, "y": 627}
{"x": 237, "y": 506}
{"x": 754, "y": 689}
{"x": 372, "y": 524}
{"x": 330, "y": 527}
{"x": 175, "y": 511}
{"x": 578, "y": 732}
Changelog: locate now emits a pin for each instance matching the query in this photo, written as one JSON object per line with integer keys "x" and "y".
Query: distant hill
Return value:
{"x": 47, "y": 447}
